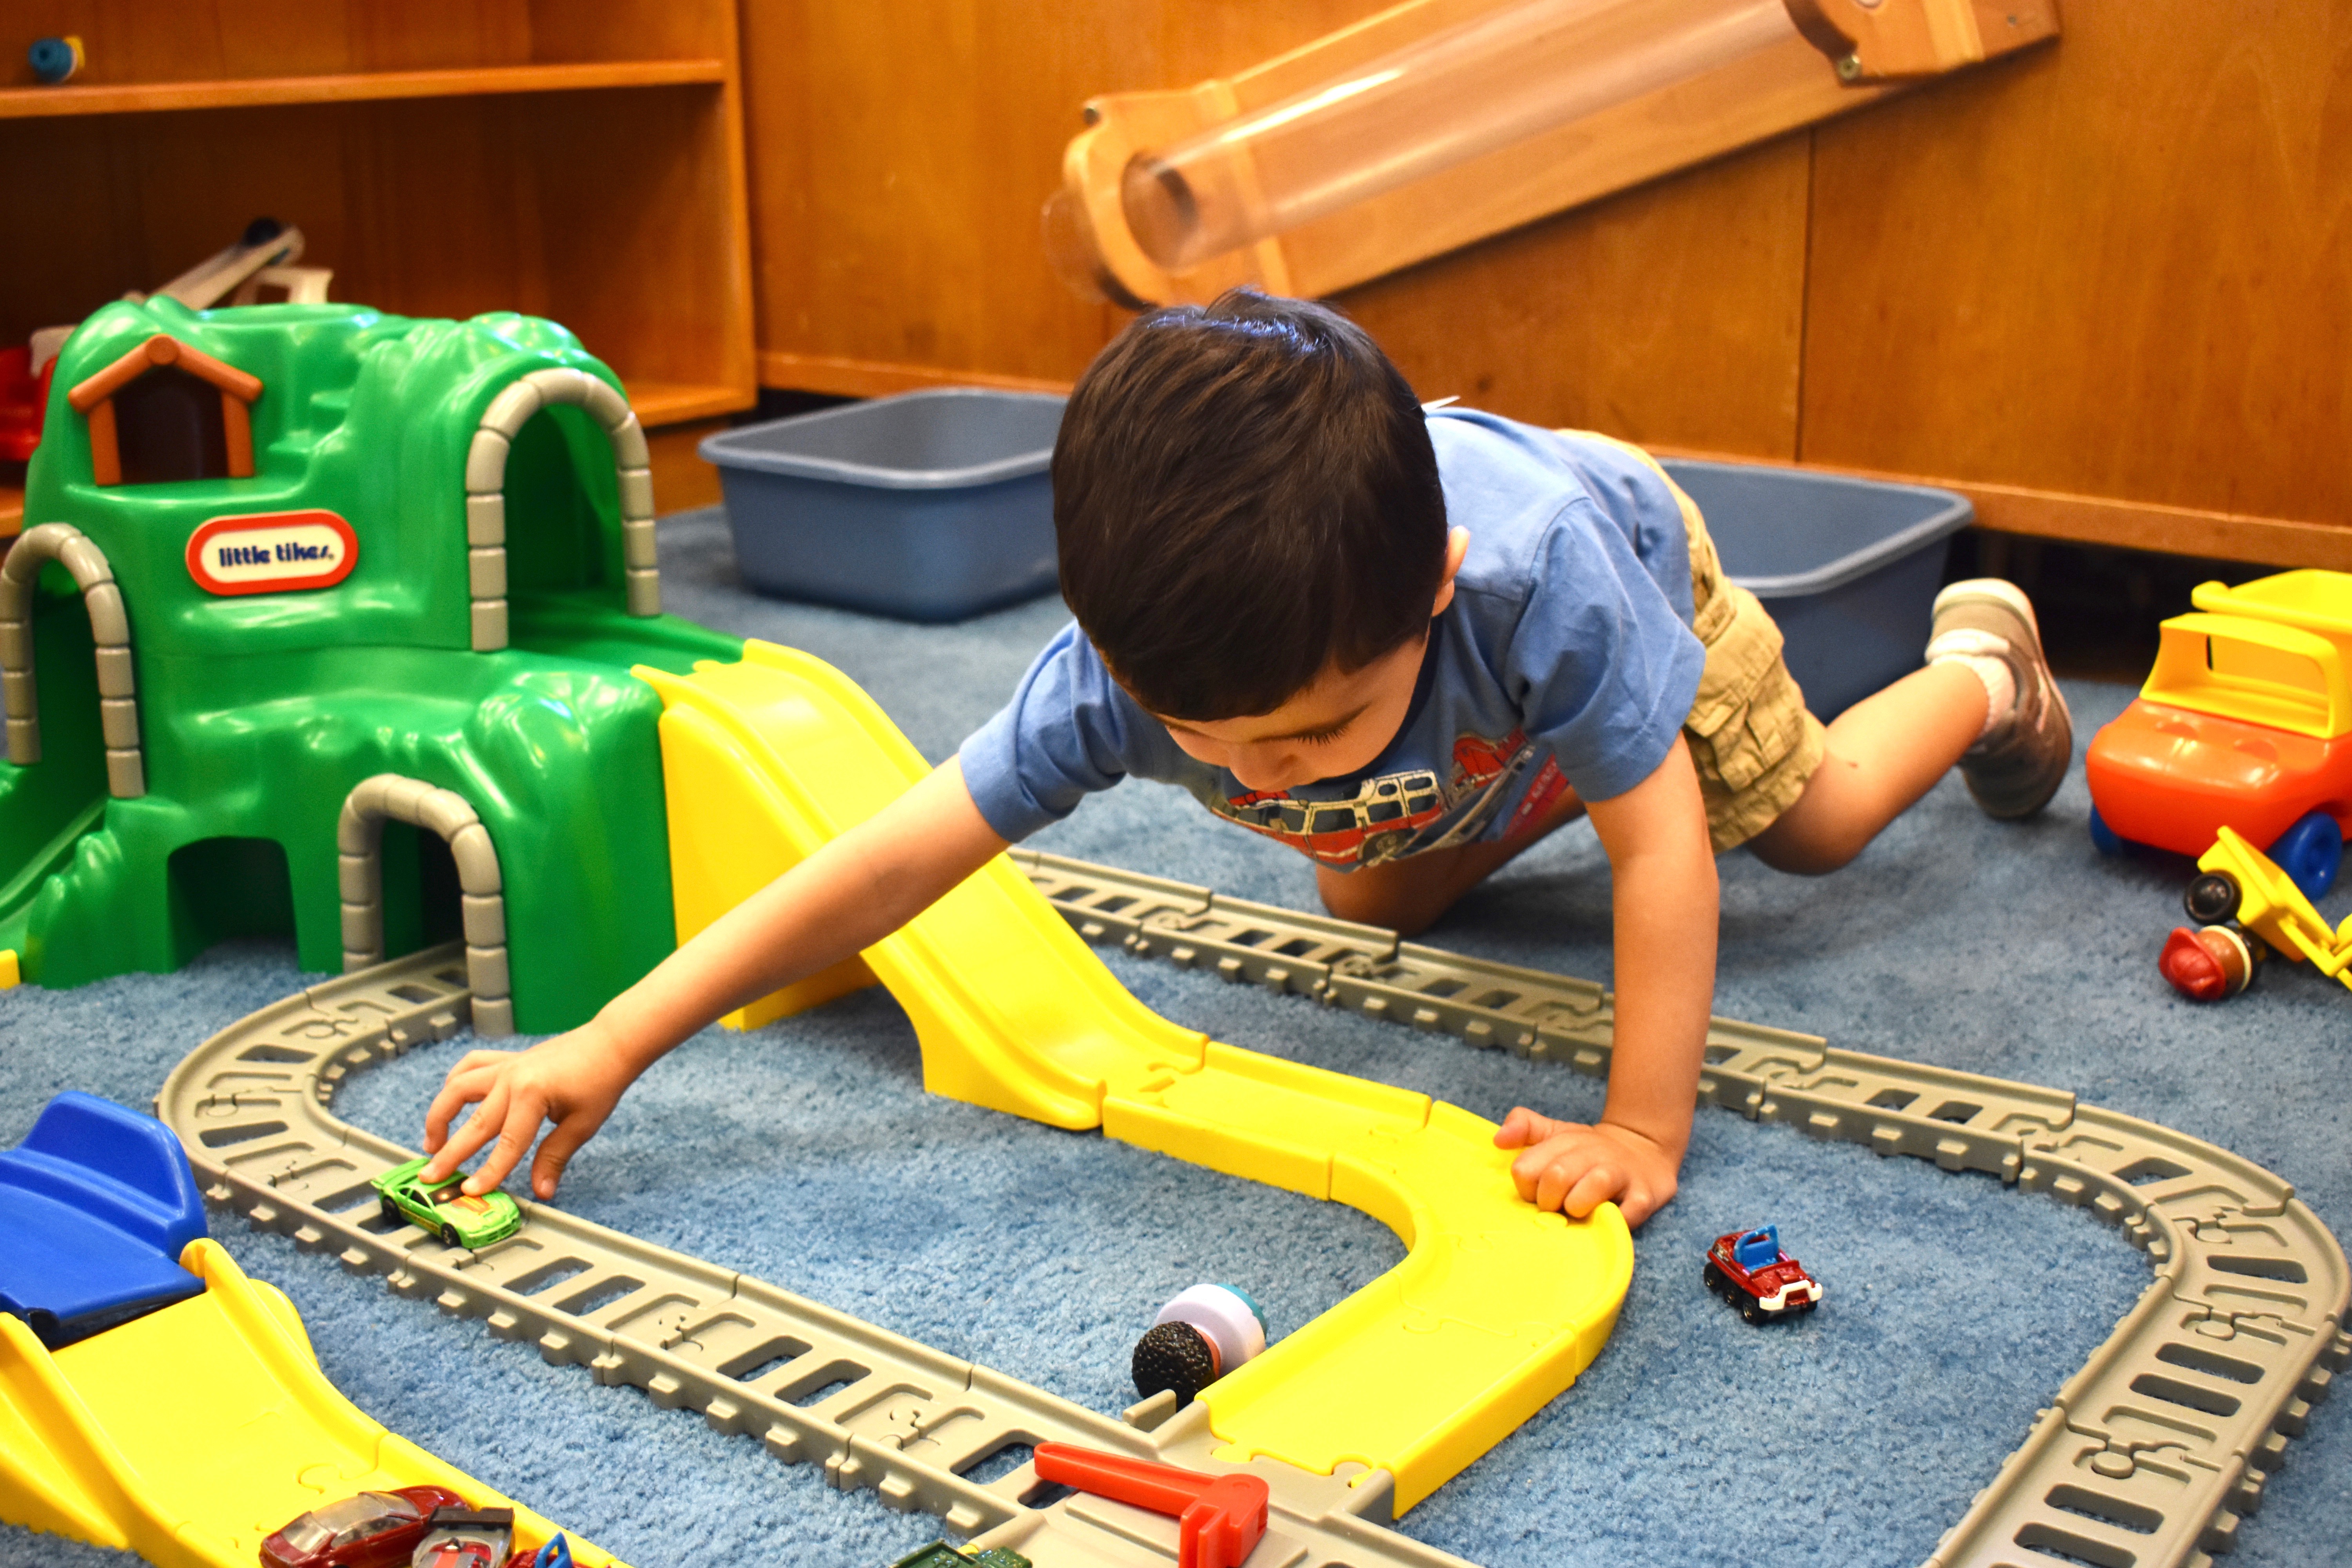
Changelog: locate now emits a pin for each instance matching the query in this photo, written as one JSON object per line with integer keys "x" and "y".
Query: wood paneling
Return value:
{"x": 2121, "y": 268}
{"x": 1671, "y": 313}
{"x": 880, "y": 378}
{"x": 901, "y": 152}
{"x": 681, "y": 478}
{"x": 2104, "y": 520}
{"x": 2107, "y": 285}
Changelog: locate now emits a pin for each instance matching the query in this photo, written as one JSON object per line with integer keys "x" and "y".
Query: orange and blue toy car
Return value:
{"x": 2245, "y": 723}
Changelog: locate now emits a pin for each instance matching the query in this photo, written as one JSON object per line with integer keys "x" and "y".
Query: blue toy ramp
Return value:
{"x": 96, "y": 1206}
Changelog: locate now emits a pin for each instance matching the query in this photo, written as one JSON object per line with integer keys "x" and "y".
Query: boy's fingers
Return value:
{"x": 477, "y": 1058}
{"x": 1530, "y": 1170}
{"x": 469, "y": 1080}
{"x": 1591, "y": 1189}
{"x": 555, "y": 1151}
{"x": 517, "y": 1131}
{"x": 1558, "y": 1175}
{"x": 464, "y": 1086}
{"x": 1523, "y": 1128}
{"x": 476, "y": 1130}
{"x": 446, "y": 1105}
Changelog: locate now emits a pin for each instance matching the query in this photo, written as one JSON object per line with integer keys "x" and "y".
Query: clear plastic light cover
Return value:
{"x": 1468, "y": 90}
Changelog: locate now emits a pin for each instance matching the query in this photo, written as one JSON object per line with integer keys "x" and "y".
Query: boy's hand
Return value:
{"x": 574, "y": 1080}
{"x": 851, "y": 893}
{"x": 1574, "y": 1168}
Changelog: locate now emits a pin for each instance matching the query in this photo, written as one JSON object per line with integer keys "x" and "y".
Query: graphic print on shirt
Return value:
{"x": 1395, "y": 814}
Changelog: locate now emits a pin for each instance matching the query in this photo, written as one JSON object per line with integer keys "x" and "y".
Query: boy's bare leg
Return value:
{"x": 1407, "y": 895}
{"x": 1884, "y": 753}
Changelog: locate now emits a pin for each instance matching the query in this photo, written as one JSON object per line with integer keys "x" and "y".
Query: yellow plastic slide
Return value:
{"x": 191, "y": 1435}
{"x": 1495, "y": 1310}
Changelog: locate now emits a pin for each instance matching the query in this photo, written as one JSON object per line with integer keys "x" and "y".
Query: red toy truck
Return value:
{"x": 2245, "y": 723}
{"x": 1748, "y": 1269}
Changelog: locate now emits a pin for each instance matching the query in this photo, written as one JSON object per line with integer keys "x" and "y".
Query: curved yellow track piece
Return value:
{"x": 189, "y": 1435}
{"x": 1495, "y": 1308}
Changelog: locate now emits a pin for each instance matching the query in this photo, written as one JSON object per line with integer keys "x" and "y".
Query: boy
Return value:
{"x": 1410, "y": 645}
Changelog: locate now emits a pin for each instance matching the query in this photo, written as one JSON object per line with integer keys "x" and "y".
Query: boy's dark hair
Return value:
{"x": 1244, "y": 495}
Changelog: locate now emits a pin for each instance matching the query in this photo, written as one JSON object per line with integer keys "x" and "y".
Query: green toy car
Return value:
{"x": 940, "y": 1555}
{"x": 446, "y": 1210}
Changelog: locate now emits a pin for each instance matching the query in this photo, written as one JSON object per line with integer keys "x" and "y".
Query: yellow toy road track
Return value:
{"x": 189, "y": 1435}
{"x": 1496, "y": 1307}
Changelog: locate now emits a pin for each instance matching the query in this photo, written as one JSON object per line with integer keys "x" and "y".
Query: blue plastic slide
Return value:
{"x": 96, "y": 1206}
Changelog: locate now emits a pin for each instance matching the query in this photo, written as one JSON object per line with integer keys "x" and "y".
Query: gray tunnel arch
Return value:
{"x": 486, "y": 502}
{"x": 109, "y": 630}
{"x": 358, "y": 846}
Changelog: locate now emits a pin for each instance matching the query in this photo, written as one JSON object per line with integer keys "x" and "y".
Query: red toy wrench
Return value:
{"x": 1222, "y": 1517}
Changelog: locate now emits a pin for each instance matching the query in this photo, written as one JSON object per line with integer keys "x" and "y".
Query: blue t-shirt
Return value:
{"x": 1565, "y": 659}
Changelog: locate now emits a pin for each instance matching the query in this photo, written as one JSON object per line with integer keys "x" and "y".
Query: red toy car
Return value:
{"x": 1748, "y": 1269}
{"x": 370, "y": 1529}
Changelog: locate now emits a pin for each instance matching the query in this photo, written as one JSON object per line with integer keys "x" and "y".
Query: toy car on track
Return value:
{"x": 368, "y": 1529}
{"x": 446, "y": 1210}
{"x": 2245, "y": 723}
{"x": 1748, "y": 1269}
{"x": 940, "y": 1555}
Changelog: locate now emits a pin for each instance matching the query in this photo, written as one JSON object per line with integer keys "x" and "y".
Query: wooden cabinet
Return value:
{"x": 581, "y": 160}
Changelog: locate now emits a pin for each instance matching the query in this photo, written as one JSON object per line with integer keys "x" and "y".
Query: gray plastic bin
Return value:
{"x": 1849, "y": 568}
{"x": 930, "y": 506}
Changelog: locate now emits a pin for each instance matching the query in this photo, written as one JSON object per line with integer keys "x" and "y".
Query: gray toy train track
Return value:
{"x": 2148, "y": 1456}
{"x": 251, "y": 1106}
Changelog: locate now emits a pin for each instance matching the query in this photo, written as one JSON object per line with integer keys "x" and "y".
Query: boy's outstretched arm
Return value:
{"x": 851, "y": 893}
{"x": 1664, "y": 901}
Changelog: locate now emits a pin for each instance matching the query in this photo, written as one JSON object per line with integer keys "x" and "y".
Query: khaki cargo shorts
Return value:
{"x": 1753, "y": 741}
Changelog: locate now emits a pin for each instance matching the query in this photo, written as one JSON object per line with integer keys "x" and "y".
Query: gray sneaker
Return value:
{"x": 2015, "y": 769}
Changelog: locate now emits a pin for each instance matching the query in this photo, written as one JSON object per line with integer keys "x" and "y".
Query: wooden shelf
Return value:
{"x": 139, "y": 97}
{"x": 582, "y": 163}
{"x": 674, "y": 402}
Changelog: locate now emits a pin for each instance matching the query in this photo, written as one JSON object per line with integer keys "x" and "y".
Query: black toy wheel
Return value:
{"x": 449, "y": 1235}
{"x": 1174, "y": 1356}
{"x": 1713, "y": 1280}
{"x": 1752, "y": 1309}
{"x": 2211, "y": 897}
{"x": 392, "y": 1211}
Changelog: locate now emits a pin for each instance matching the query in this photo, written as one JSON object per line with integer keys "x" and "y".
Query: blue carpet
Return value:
{"x": 806, "y": 1153}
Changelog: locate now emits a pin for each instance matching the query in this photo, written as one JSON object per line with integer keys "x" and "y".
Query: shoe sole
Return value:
{"x": 1993, "y": 588}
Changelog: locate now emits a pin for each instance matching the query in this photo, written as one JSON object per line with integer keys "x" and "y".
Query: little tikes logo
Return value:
{"x": 272, "y": 553}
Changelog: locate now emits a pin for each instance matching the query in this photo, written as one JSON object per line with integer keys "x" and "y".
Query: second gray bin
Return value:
{"x": 930, "y": 506}
{"x": 1849, "y": 568}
